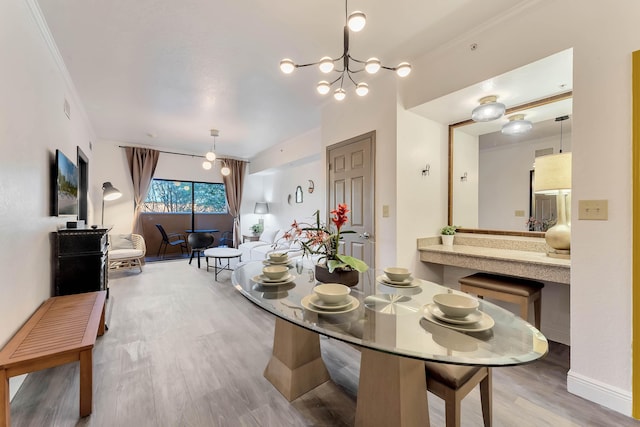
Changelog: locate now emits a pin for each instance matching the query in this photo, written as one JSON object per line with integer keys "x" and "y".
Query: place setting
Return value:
{"x": 458, "y": 312}
{"x": 277, "y": 258}
{"x": 397, "y": 277}
{"x": 330, "y": 298}
{"x": 274, "y": 275}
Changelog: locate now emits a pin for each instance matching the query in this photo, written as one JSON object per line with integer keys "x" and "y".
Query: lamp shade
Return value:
{"x": 261, "y": 208}
{"x": 553, "y": 173}
{"x": 109, "y": 192}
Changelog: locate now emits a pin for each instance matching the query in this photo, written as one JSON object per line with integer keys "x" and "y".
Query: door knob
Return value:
{"x": 365, "y": 235}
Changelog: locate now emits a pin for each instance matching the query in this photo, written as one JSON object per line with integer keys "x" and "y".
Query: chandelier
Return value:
{"x": 210, "y": 157}
{"x": 354, "y": 22}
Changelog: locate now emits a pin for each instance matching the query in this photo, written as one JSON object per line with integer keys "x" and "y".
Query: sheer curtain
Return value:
{"x": 142, "y": 164}
{"x": 233, "y": 187}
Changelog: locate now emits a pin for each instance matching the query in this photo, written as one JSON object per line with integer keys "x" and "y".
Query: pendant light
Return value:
{"x": 488, "y": 110}
{"x": 225, "y": 171}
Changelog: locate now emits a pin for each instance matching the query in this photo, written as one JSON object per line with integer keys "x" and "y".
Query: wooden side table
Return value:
{"x": 250, "y": 238}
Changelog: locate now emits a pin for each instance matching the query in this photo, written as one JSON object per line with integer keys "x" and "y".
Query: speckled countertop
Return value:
{"x": 514, "y": 256}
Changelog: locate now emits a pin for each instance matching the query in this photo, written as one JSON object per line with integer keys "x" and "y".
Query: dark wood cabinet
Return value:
{"x": 80, "y": 260}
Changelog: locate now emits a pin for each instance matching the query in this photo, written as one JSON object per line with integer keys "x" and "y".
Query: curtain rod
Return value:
{"x": 177, "y": 154}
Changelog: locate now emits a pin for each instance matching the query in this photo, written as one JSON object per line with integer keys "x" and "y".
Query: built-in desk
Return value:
{"x": 513, "y": 256}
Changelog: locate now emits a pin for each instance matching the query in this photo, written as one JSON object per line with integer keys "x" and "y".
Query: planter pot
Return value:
{"x": 447, "y": 239}
{"x": 348, "y": 278}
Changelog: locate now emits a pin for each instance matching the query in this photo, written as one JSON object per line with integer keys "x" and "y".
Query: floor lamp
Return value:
{"x": 261, "y": 208}
{"x": 553, "y": 177}
{"x": 109, "y": 192}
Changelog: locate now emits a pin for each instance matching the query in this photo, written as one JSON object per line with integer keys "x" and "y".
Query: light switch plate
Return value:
{"x": 519, "y": 213}
{"x": 593, "y": 210}
{"x": 385, "y": 211}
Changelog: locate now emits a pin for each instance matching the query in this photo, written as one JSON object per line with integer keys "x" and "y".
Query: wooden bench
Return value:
{"x": 62, "y": 330}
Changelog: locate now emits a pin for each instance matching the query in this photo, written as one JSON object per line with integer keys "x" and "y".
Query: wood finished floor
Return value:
{"x": 183, "y": 350}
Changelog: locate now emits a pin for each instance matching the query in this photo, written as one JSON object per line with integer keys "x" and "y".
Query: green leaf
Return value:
{"x": 354, "y": 263}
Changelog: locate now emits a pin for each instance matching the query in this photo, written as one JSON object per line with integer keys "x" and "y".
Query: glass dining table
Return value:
{"x": 394, "y": 327}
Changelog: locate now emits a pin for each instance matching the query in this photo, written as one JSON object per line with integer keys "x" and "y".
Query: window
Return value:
{"x": 168, "y": 196}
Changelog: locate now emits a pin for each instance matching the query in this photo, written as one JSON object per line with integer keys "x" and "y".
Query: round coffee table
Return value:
{"x": 221, "y": 253}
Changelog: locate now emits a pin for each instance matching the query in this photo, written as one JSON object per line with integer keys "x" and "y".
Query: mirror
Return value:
{"x": 491, "y": 174}
{"x": 479, "y": 199}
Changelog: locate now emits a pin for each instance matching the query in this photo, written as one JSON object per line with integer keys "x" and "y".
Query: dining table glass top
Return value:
{"x": 397, "y": 319}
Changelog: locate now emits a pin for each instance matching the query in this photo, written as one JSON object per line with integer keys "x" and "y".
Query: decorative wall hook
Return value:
{"x": 463, "y": 177}
{"x": 425, "y": 171}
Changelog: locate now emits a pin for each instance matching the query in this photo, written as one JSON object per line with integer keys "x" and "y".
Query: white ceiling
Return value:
{"x": 163, "y": 73}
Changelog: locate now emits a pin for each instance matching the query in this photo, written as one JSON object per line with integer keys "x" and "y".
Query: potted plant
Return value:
{"x": 318, "y": 239}
{"x": 447, "y": 232}
{"x": 256, "y": 229}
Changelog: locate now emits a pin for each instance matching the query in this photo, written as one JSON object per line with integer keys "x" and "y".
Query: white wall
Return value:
{"x": 422, "y": 199}
{"x": 34, "y": 84}
{"x": 601, "y": 250}
{"x": 274, "y": 175}
{"x": 465, "y": 202}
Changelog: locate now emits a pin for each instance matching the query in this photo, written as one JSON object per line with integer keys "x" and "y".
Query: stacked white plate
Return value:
{"x": 477, "y": 321}
{"x": 314, "y": 303}
{"x": 407, "y": 283}
{"x": 269, "y": 262}
{"x": 263, "y": 280}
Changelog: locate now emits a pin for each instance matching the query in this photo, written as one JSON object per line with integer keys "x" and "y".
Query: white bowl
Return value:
{"x": 278, "y": 256}
{"x": 275, "y": 272}
{"x": 455, "y": 305}
{"x": 397, "y": 274}
{"x": 332, "y": 293}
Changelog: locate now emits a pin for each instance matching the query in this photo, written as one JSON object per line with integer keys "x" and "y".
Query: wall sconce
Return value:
{"x": 425, "y": 171}
{"x": 463, "y": 178}
{"x": 261, "y": 208}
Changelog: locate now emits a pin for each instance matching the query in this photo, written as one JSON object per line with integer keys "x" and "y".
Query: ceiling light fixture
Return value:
{"x": 354, "y": 22}
{"x": 517, "y": 125}
{"x": 488, "y": 110}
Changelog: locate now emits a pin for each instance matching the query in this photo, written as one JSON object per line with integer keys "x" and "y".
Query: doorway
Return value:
{"x": 351, "y": 180}
{"x": 83, "y": 185}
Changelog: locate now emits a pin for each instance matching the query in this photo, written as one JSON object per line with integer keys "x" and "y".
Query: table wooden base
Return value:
{"x": 296, "y": 365}
{"x": 392, "y": 391}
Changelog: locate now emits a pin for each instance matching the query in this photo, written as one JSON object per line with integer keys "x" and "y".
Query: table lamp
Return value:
{"x": 261, "y": 208}
{"x": 553, "y": 177}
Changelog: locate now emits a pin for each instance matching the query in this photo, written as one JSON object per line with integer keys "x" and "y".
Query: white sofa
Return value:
{"x": 271, "y": 240}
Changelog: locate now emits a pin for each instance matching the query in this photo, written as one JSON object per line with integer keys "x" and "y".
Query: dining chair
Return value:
{"x": 171, "y": 239}
{"x": 198, "y": 242}
{"x": 452, "y": 383}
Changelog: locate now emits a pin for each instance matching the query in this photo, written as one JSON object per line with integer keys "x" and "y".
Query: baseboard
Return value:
{"x": 14, "y": 385}
{"x": 603, "y": 394}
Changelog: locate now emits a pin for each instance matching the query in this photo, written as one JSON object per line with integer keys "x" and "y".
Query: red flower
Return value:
{"x": 340, "y": 215}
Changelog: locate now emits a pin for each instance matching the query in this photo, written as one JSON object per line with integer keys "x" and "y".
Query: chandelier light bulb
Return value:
{"x": 206, "y": 165}
{"x": 488, "y": 110}
{"x": 323, "y": 87}
{"x": 362, "y": 89}
{"x": 326, "y": 65}
{"x": 211, "y": 156}
{"x": 225, "y": 170}
{"x": 339, "y": 94}
{"x": 403, "y": 69}
{"x": 287, "y": 66}
{"x": 372, "y": 65}
{"x": 356, "y": 21}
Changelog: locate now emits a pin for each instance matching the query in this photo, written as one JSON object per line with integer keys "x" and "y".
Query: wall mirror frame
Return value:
{"x": 453, "y": 127}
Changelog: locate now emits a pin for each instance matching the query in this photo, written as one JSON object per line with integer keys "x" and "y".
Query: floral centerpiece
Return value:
{"x": 318, "y": 239}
